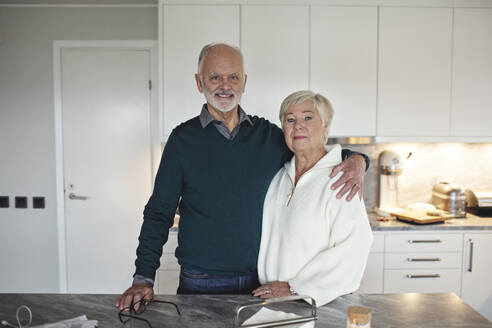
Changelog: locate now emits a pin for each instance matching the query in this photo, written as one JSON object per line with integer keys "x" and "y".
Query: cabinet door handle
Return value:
{"x": 470, "y": 261}
{"x": 424, "y": 241}
{"x": 411, "y": 276}
{"x": 436, "y": 259}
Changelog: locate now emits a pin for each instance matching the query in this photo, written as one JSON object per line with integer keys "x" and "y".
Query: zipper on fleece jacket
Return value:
{"x": 291, "y": 194}
{"x": 314, "y": 168}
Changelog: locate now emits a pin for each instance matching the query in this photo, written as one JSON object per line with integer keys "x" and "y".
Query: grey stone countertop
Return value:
{"x": 388, "y": 310}
{"x": 471, "y": 222}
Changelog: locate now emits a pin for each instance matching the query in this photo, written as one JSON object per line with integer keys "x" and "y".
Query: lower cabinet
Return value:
{"x": 424, "y": 263}
{"x": 372, "y": 280}
{"x": 167, "y": 276}
{"x": 168, "y": 281}
{"x": 428, "y": 262}
{"x": 476, "y": 289}
{"x": 422, "y": 281}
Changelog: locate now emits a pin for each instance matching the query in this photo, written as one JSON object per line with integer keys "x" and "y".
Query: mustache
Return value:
{"x": 224, "y": 93}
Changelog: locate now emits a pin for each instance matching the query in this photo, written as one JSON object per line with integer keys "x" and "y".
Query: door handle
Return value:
{"x": 411, "y": 276}
{"x": 437, "y": 259}
{"x": 470, "y": 260}
{"x": 75, "y": 197}
{"x": 424, "y": 241}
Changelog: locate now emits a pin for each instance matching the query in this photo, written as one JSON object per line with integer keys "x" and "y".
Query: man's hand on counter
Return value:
{"x": 134, "y": 294}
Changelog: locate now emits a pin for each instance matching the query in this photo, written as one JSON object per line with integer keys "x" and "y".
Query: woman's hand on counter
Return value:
{"x": 273, "y": 290}
{"x": 134, "y": 294}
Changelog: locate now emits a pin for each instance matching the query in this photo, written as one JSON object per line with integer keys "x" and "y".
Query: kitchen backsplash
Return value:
{"x": 469, "y": 165}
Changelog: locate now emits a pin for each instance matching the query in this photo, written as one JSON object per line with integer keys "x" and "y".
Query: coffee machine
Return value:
{"x": 390, "y": 168}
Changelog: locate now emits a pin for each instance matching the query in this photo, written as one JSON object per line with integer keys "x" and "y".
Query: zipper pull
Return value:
{"x": 290, "y": 196}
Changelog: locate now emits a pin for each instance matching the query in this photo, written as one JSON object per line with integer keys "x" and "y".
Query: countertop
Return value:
{"x": 471, "y": 222}
{"x": 388, "y": 310}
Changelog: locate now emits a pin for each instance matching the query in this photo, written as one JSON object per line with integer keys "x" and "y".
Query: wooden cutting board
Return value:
{"x": 423, "y": 217}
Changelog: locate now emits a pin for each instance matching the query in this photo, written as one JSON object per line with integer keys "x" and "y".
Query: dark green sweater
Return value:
{"x": 223, "y": 184}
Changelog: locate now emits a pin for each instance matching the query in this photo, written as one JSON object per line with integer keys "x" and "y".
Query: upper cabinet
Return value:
{"x": 399, "y": 73}
{"x": 344, "y": 66}
{"x": 414, "y": 89}
{"x": 471, "y": 111}
{"x": 275, "y": 44}
{"x": 184, "y": 31}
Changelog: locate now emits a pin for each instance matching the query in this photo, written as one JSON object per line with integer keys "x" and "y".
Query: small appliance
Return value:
{"x": 449, "y": 197}
{"x": 479, "y": 202}
{"x": 390, "y": 167}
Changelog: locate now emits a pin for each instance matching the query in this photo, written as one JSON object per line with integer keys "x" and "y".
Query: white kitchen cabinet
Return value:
{"x": 423, "y": 262}
{"x": 423, "y": 242}
{"x": 168, "y": 282}
{"x": 477, "y": 272}
{"x": 414, "y": 78}
{"x": 422, "y": 281}
{"x": 372, "y": 280}
{"x": 344, "y": 66}
{"x": 168, "y": 274}
{"x": 275, "y": 44}
{"x": 184, "y": 31}
{"x": 471, "y": 111}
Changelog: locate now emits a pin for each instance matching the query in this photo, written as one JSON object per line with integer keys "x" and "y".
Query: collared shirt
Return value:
{"x": 206, "y": 118}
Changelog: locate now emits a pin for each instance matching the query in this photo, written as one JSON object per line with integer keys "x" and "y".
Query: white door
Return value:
{"x": 107, "y": 158}
{"x": 477, "y": 267}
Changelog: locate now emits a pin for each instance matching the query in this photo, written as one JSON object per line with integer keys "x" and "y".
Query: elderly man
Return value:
{"x": 220, "y": 163}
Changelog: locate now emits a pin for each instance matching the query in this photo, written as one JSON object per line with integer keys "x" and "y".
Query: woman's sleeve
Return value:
{"x": 338, "y": 269}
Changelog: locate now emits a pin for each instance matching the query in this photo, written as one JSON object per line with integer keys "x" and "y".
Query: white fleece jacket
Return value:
{"x": 317, "y": 243}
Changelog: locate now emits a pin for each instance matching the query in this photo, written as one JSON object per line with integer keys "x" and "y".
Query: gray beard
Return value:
{"x": 217, "y": 105}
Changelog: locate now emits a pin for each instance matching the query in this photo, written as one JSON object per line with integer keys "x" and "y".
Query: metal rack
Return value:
{"x": 277, "y": 323}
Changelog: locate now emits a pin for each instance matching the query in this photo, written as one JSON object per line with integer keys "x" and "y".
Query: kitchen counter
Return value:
{"x": 471, "y": 222}
{"x": 389, "y": 310}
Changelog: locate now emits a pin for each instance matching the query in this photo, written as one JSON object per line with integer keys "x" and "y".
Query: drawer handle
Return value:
{"x": 424, "y": 241}
{"x": 470, "y": 264}
{"x": 411, "y": 276}
{"x": 436, "y": 259}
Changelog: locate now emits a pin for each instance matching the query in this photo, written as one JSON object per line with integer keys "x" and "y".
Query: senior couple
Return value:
{"x": 261, "y": 208}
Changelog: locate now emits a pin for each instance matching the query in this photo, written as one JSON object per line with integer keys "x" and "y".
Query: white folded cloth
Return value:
{"x": 266, "y": 315}
{"x": 77, "y": 322}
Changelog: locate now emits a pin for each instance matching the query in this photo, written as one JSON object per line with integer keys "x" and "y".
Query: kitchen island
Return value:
{"x": 389, "y": 310}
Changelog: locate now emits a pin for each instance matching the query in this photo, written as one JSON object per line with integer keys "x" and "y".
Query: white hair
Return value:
{"x": 320, "y": 103}
{"x": 209, "y": 46}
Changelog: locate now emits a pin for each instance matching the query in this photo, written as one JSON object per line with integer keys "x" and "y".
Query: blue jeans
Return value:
{"x": 196, "y": 282}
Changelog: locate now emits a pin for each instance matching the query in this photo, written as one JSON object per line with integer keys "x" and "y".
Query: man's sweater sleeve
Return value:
{"x": 159, "y": 211}
{"x": 338, "y": 269}
{"x": 346, "y": 153}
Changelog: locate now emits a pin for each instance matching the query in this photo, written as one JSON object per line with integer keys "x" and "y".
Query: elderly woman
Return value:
{"x": 312, "y": 243}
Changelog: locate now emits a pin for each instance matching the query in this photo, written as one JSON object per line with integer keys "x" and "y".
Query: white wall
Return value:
{"x": 28, "y": 237}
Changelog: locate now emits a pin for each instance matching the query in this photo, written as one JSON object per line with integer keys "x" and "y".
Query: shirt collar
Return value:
{"x": 206, "y": 118}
